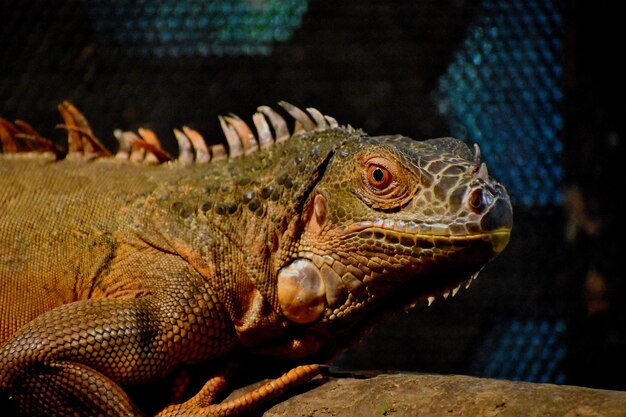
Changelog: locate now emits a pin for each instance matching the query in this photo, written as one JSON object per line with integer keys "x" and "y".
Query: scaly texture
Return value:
{"x": 118, "y": 269}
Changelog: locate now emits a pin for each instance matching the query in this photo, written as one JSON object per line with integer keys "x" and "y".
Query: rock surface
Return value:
{"x": 438, "y": 395}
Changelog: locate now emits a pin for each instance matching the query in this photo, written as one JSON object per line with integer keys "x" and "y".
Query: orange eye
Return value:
{"x": 379, "y": 177}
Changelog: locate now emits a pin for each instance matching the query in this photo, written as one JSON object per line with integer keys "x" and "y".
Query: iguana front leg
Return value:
{"x": 65, "y": 362}
{"x": 74, "y": 359}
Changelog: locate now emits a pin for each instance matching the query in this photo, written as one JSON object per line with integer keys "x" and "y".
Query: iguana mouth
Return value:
{"x": 411, "y": 234}
{"x": 427, "y": 266}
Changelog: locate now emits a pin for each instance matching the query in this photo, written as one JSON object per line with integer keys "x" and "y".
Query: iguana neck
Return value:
{"x": 237, "y": 222}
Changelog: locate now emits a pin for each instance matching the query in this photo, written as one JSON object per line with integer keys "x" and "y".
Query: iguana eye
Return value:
{"x": 379, "y": 177}
{"x": 382, "y": 182}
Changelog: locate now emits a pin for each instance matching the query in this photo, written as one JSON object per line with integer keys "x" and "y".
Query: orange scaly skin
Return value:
{"x": 117, "y": 270}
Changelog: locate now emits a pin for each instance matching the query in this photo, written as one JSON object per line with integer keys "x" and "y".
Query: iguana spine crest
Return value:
{"x": 144, "y": 146}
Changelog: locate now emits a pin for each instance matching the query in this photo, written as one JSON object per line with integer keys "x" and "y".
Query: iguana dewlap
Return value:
{"x": 117, "y": 270}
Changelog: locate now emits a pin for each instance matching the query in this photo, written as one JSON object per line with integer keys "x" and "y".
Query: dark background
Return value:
{"x": 551, "y": 307}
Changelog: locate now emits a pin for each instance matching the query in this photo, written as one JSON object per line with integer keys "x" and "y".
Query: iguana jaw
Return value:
{"x": 448, "y": 283}
{"x": 416, "y": 266}
{"x": 305, "y": 300}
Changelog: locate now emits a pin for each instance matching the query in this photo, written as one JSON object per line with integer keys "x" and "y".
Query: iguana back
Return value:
{"x": 57, "y": 230}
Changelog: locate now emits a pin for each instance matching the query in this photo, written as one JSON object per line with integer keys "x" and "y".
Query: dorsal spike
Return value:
{"x": 156, "y": 153}
{"x": 74, "y": 142}
{"x": 298, "y": 127}
{"x": 80, "y": 136}
{"x": 278, "y": 123}
{"x": 137, "y": 152}
{"x": 482, "y": 172}
{"x": 22, "y": 137}
{"x": 332, "y": 122}
{"x": 244, "y": 132}
{"x": 218, "y": 152}
{"x": 185, "y": 150}
{"x": 299, "y": 115}
{"x": 199, "y": 144}
{"x": 234, "y": 143}
{"x": 145, "y": 153}
{"x": 26, "y": 128}
{"x": 477, "y": 154}
{"x": 318, "y": 117}
{"x": 123, "y": 151}
{"x": 149, "y": 138}
{"x": 7, "y": 136}
{"x": 263, "y": 130}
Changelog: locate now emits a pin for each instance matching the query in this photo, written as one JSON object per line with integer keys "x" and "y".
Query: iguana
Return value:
{"x": 117, "y": 269}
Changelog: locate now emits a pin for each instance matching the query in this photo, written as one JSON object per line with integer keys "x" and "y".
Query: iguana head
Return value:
{"x": 391, "y": 221}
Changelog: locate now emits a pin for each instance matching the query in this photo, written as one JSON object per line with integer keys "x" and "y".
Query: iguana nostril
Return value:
{"x": 479, "y": 200}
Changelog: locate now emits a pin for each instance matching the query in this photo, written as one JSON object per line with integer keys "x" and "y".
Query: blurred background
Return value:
{"x": 538, "y": 84}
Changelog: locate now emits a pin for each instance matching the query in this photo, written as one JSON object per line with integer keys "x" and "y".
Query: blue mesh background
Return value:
{"x": 177, "y": 28}
{"x": 522, "y": 350}
{"x": 503, "y": 90}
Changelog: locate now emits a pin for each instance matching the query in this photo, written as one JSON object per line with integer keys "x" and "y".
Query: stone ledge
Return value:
{"x": 439, "y": 395}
